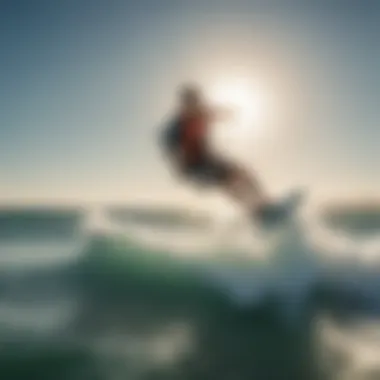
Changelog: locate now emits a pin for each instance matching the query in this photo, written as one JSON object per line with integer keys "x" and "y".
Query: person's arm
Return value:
{"x": 221, "y": 113}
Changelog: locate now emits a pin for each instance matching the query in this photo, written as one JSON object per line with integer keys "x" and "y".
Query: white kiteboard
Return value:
{"x": 282, "y": 210}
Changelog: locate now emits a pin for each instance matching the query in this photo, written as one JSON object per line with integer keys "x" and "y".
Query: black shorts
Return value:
{"x": 210, "y": 171}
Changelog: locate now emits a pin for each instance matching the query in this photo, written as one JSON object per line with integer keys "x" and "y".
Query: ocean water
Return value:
{"x": 139, "y": 295}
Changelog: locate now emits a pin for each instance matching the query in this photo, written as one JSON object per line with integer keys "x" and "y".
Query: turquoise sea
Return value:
{"x": 162, "y": 294}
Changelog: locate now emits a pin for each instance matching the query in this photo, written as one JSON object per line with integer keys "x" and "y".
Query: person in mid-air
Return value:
{"x": 186, "y": 143}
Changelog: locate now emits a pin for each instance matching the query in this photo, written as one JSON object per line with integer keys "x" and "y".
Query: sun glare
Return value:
{"x": 245, "y": 98}
{"x": 250, "y": 107}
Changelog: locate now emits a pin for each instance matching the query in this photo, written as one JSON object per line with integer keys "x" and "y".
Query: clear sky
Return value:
{"x": 84, "y": 84}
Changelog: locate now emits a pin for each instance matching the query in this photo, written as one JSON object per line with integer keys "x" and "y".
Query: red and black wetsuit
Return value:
{"x": 194, "y": 137}
{"x": 189, "y": 133}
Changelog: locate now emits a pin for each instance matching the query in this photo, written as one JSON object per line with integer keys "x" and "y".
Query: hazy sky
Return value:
{"x": 84, "y": 84}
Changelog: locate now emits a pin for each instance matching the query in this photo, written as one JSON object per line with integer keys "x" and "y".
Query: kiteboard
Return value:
{"x": 280, "y": 211}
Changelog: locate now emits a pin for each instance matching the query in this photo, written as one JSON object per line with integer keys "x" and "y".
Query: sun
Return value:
{"x": 240, "y": 136}
{"x": 247, "y": 99}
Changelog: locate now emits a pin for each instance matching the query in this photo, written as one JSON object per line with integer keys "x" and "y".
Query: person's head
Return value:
{"x": 190, "y": 95}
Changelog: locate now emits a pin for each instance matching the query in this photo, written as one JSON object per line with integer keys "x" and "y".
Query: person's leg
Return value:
{"x": 239, "y": 184}
{"x": 245, "y": 189}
